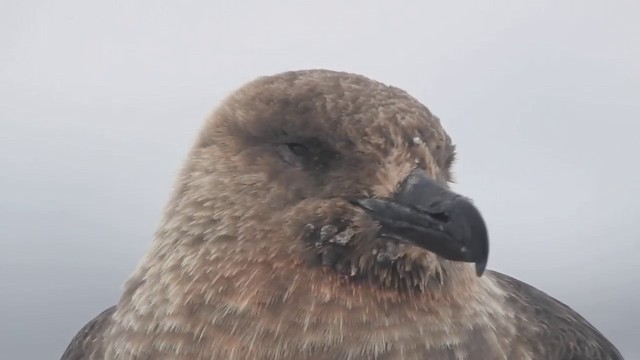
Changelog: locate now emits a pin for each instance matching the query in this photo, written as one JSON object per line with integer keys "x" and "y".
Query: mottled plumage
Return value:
{"x": 285, "y": 239}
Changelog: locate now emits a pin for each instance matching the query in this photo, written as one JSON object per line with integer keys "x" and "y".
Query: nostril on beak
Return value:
{"x": 441, "y": 217}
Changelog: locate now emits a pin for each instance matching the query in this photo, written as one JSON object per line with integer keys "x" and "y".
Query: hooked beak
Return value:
{"x": 432, "y": 217}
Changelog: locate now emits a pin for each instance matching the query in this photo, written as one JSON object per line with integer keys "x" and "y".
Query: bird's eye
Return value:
{"x": 298, "y": 149}
{"x": 310, "y": 153}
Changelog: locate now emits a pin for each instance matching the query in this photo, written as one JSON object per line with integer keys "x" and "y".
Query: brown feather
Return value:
{"x": 241, "y": 267}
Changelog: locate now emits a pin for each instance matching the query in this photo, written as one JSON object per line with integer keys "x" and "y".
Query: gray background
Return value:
{"x": 100, "y": 101}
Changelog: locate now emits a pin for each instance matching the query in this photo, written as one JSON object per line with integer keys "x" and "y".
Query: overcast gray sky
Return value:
{"x": 100, "y": 101}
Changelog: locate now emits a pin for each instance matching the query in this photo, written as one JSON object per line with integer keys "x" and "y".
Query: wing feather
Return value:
{"x": 89, "y": 337}
{"x": 553, "y": 330}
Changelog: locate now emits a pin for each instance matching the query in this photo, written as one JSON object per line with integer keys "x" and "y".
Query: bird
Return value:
{"x": 314, "y": 219}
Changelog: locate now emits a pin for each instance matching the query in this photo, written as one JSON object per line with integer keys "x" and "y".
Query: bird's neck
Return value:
{"x": 219, "y": 291}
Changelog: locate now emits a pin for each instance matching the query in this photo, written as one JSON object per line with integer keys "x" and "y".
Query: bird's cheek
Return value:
{"x": 321, "y": 221}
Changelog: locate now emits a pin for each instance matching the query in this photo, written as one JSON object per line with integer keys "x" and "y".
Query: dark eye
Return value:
{"x": 298, "y": 149}
{"x": 310, "y": 153}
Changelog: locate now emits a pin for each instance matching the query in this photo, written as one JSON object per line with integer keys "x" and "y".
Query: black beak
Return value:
{"x": 428, "y": 215}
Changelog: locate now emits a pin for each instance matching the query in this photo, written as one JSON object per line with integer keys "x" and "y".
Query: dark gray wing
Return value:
{"x": 89, "y": 337}
{"x": 553, "y": 330}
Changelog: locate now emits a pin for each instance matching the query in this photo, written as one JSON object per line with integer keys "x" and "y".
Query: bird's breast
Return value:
{"x": 309, "y": 318}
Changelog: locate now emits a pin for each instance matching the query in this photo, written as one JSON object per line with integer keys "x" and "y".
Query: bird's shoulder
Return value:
{"x": 552, "y": 328}
{"x": 83, "y": 344}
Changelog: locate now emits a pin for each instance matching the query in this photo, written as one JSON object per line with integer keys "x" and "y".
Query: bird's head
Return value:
{"x": 333, "y": 171}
